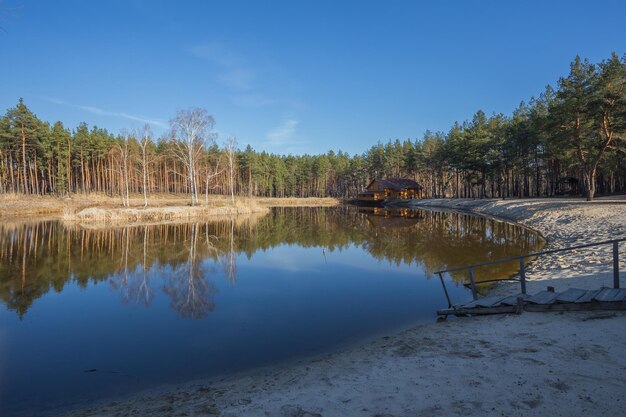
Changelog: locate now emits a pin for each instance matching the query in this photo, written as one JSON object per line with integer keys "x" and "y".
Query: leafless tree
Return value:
{"x": 211, "y": 172}
{"x": 144, "y": 138}
{"x": 231, "y": 149}
{"x": 191, "y": 130}
{"x": 122, "y": 157}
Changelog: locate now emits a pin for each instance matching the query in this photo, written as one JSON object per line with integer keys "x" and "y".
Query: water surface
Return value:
{"x": 88, "y": 313}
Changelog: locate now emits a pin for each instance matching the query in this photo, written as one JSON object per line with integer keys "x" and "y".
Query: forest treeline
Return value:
{"x": 569, "y": 140}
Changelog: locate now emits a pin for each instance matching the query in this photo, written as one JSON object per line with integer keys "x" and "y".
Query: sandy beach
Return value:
{"x": 533, "y": 364}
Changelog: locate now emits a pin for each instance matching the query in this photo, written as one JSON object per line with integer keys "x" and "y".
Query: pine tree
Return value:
{"x": 21, "y": 137}
{"x": 60, "y": 141}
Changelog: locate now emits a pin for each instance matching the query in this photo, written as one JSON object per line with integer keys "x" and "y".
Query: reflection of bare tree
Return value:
{"x": 119, "y": 281}
{"x": 134, "y": 285}
{"x": 190, "y": 292}
{"x": 139, "y": 288}
{"x": 144, "y": 288}
{"x": 229, "y": 258}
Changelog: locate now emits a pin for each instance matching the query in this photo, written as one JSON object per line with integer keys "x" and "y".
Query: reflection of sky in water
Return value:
{"x": 209, "y": 312}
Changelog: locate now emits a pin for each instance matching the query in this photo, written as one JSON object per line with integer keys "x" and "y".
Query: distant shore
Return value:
{"x": 102, "y": 209}
{"x": 534, "y": 364}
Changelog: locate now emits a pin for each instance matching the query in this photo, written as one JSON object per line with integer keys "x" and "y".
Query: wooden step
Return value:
{"x": 543, "y": 297}
{"x": 484, "y": 302}
{"x": 588, "y": 296}
{"x": 573, "y": 299}
{"x": 610, "y": 295}
{"x": 570, "y": 295}
{"x": 512, "y": 299}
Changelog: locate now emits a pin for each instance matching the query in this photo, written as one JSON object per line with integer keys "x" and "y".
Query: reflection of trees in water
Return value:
{"x": 29, "y": 263}
{"x": 445, "y": 240}
{"x": 133, "y": 284}
{"x": 191, "y": 294}
{"x": 433, "y": 240}
{"x": 229, "y": 264}
{"x": 35, "y": 258}
{"x": 38, "y": 257}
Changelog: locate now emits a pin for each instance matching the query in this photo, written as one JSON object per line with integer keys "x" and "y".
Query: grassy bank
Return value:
{"x": 155, "y": 214}
{"x": 99, "y": 207}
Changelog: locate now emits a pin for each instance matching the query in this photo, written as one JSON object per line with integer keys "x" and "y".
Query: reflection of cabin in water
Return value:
{"x": 392, "y": 217}
{"x": 400, "y": 188}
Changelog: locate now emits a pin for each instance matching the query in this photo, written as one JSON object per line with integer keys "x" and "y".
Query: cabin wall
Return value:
{"x": 371, "y": 197}
{"x": 402, "y": 194}
{"x": 374, "y": 186}
{"x": 380, "y": 193}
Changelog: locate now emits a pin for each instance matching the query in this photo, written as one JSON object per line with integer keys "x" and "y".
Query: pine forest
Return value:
{"x": 569, "y": 140}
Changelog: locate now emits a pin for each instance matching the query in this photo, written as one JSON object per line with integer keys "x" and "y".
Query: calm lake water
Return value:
{"x": 88, "y": 313}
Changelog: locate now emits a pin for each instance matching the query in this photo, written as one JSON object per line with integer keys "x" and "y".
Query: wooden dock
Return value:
{"x": 573, "y": 299}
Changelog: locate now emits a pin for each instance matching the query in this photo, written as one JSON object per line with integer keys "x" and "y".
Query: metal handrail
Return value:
{"x": 522, "y": 272}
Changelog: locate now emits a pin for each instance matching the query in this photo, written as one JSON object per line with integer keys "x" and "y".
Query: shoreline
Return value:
{"x": 154, "y": 215}
{"x": 97, "y": 209}
{"x": 531, "y": 364}
{"x": 561, "y": 223}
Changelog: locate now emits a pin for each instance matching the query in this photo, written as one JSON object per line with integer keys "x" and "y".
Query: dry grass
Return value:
{"x": 17, "y": 205}
{"x": 153, "y": 214}
{"x": 161, "y": 207}
{"x": 299, "y": 202}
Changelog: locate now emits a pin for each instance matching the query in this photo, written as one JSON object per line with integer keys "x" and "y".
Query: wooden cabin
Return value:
{"x": 400, "y": 188}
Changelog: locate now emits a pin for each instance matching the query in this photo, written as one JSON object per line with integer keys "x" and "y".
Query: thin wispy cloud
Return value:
{"x": 241, "y": 79}
{"x": 102, "y": 112}
{"x": 96, "y": 110}
{"x": 252, "y": 100}
{"x": 217, "y": 54}
{"x": 283, "y": 134}
{"x": 234, "y": 72}
{"x": 55, "y": 100}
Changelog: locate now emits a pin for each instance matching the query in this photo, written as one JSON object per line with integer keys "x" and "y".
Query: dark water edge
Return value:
{"x": 97, "y": 313}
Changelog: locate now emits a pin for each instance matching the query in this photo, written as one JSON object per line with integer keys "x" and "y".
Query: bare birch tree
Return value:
{"x": 122, "y": 156}
{"x": 211, "y": 171}
{"x": 231, "y": 149}
{"x": 144, "y": 138}
{"x": 191, "y": 130}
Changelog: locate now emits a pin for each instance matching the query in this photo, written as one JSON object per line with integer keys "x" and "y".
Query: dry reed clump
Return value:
{"x": 69, "y": 213}
{"x": 4, "y": 197}
{"x": 154, "y": 214}
{"x": 105, "y": 208}
{"x": 298, "y": 201}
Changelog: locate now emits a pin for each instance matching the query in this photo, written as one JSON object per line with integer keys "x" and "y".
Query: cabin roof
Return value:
{"x": 397, "y": 184}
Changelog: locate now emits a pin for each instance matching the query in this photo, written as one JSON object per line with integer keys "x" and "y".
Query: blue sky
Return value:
{"x": 294, "y": 76}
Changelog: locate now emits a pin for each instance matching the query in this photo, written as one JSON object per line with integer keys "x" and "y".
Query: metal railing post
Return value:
{"x": 522, "y": 275}
{"x": 445, "y": 289}
{"x": 615, "y": 264}
{"x": 472, "y": 283}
